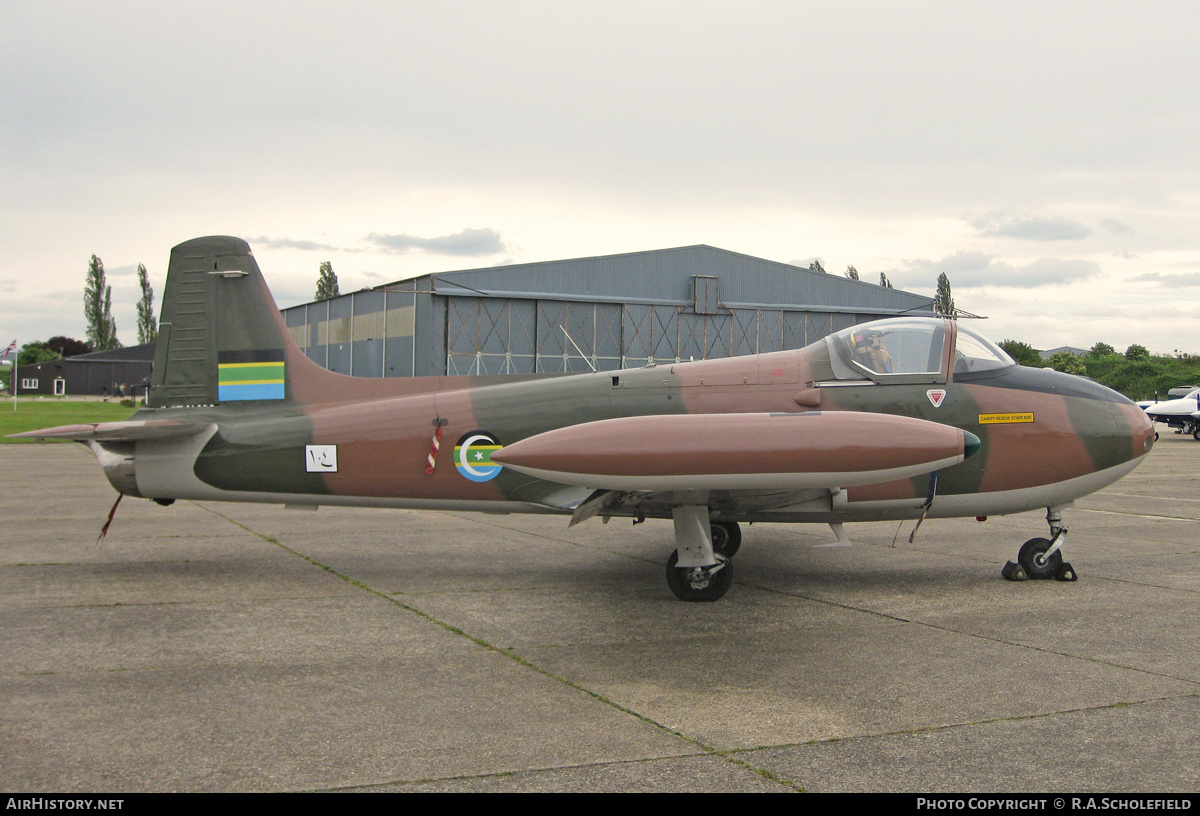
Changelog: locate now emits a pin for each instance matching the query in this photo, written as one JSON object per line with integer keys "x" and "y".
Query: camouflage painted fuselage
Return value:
{"x": 1081, "y": 437}
{"x": 244, "y": 415}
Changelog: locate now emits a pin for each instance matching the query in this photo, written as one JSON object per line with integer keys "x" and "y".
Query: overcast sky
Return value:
{"x": 1043, "y": 155}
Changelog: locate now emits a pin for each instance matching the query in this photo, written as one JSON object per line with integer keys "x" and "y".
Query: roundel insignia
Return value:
{"x": 473, "y": 456}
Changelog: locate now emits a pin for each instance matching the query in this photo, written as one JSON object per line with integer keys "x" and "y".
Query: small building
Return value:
{"x": 113, "y": 373}
{"x": 1048, "y": 353}
{"x": 601, "y": 313}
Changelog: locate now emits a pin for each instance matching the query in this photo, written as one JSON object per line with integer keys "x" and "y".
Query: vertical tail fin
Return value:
{"x": 221, "y": 338}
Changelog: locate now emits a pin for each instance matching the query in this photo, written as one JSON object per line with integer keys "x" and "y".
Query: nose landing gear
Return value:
{"x": 1041, "y": 557}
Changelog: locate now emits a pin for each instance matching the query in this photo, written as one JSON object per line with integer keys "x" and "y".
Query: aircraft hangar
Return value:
{"x": 601, "y": 313}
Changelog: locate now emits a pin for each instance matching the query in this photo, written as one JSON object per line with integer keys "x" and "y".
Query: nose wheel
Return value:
{"x": 1037, "y": 560}
{"x": 1042, "y": 557}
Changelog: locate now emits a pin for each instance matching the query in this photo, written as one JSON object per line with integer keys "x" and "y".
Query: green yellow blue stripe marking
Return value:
{"x": 250, "y": 381}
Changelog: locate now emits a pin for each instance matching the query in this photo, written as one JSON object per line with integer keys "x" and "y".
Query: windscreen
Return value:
{"x": 974, "y": 352}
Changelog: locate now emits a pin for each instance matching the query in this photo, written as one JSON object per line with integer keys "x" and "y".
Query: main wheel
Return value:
{"x": 701, "y": 584}
{"x": 1032, "y": 558}
{"x": 726, "y": 537}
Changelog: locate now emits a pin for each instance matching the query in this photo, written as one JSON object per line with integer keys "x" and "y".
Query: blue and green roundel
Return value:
{"x": 251, "y": 375}
{"x": 473, "y": 456}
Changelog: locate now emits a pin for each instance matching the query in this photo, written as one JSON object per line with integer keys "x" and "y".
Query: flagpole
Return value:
{"x": 12, "y": 348}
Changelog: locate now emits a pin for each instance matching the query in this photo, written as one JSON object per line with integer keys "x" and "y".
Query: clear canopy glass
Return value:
{"x": 911, "y": 348}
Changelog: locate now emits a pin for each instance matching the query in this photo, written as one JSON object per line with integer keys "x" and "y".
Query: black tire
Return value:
{"x": 1032, "y": 560}
{"x": 1196, "y": 433}
{"x": 697, "y": 584}
{"x": 726, "y": 538}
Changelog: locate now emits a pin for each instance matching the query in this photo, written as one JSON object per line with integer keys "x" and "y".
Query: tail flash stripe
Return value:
{"x": 250, "y": 372}
{"x": 251, "y": 379}
{"x": 251, "y": 391}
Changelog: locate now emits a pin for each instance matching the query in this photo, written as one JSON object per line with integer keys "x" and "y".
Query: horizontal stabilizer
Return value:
{"x": 739, "y": 451}
{"x": 131, "y": 431}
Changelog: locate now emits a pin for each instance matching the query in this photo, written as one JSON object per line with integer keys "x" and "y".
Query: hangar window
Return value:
{"x": 897, "y": 350}
{"x": 28, "y": 384}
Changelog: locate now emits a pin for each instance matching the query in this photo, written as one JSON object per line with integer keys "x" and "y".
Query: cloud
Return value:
{"x": 971, "y": 269}
{"x": 1181, "y": 279}
{"x": 292, "y": 243}
{"x": 970, "y": 264}
{"x": 469, "y": 242}
{"x": 1042, "y": 272}
{"x": 1030, "y": 227}
{"x": 1115, "y": 227}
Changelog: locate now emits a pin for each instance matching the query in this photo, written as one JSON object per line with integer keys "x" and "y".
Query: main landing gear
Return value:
{"x": 1042, "y": 557}
{"x": 701, "y": 569}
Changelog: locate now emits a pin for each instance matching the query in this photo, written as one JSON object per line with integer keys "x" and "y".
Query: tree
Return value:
{"x": 851, "y": 272}
{"x": 1067, "y": 363}
{"x": 884, "y": 282}
{"x": 147, "y": 325}
{"x": 1136, "y": 352}
{"x": 816, "y": 266}
{"x": 1023, "y": 353}
{"x": 68, "y": 346}
{"x": 327, "y": 284}
{"x": 97, "y": 309}
{"x": 35, "y": 352}
{"x": 943, "y": 301}
{"x": 1101, "y": 350}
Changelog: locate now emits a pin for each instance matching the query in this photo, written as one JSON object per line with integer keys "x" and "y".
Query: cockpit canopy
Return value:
{"x": 911, "y": 349}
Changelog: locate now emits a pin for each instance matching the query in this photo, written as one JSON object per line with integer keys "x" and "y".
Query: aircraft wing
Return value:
{"x": 129, "y": 431}
{"x": 756, "y": 453}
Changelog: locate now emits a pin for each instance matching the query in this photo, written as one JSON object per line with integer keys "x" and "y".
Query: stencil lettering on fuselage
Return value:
{"x": 320, "y": 458}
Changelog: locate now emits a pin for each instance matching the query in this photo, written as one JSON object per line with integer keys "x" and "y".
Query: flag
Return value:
{"x": 11, "y": 348}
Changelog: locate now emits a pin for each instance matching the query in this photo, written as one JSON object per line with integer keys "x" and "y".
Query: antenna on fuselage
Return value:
{"x": 954, "y": 316}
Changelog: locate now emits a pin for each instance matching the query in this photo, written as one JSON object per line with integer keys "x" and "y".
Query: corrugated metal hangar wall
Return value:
{"x": 618, "y": 311}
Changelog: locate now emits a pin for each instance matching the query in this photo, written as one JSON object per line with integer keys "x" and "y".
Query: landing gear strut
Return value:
{"x": 700, "y": 569}
{"x": 1041, "y": 557}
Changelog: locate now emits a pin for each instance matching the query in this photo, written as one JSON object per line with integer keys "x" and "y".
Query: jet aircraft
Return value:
{"x": 904, "y": 418}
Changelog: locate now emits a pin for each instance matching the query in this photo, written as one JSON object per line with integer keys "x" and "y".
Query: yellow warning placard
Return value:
{"x": 1004, "y": 419}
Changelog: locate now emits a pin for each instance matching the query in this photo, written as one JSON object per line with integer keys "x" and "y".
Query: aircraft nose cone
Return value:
{"x": 971, "y": 444}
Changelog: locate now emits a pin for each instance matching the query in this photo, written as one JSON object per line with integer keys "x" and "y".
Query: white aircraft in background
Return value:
{"x": 1182, "y": 414}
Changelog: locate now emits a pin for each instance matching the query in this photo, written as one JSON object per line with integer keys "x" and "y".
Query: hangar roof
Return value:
{"x": 665, "y": 276}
